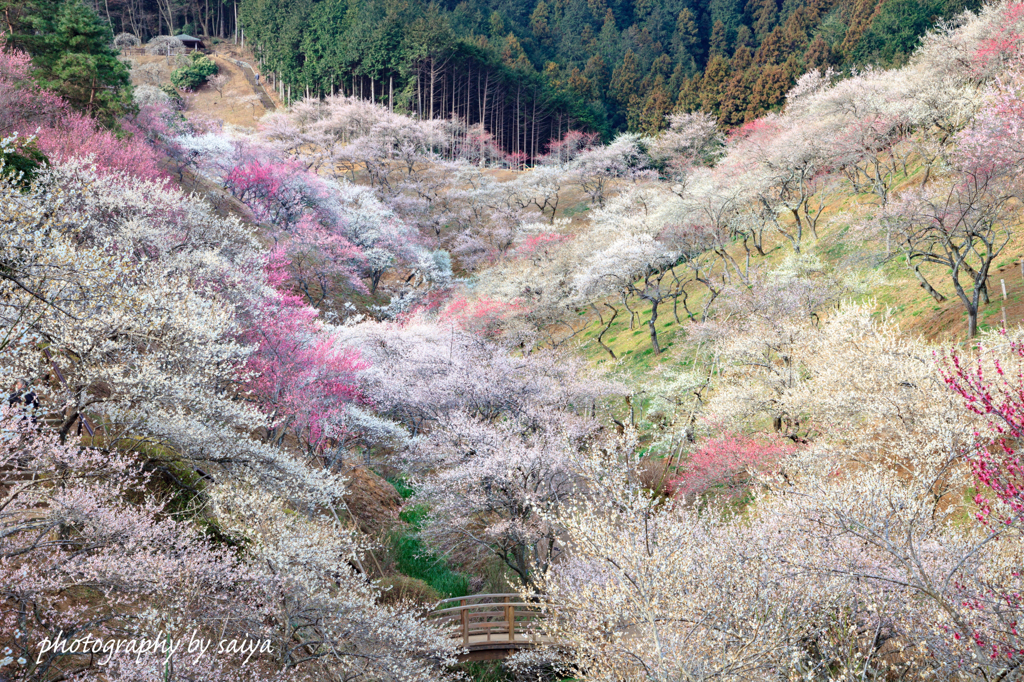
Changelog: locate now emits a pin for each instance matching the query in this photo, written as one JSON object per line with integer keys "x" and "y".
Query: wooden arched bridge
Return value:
{"x": 491, "y": 626}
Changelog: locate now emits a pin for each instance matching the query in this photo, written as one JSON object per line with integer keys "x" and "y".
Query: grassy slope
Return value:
{"x": 838, "y": 244}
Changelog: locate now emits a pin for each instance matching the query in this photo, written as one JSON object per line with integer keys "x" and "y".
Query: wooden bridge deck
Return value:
{"x": 491, "y": 626}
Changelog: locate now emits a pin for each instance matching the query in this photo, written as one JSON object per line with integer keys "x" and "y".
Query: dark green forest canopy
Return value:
{"x": 532, "y": 68}
{"x": 526, "y": 70}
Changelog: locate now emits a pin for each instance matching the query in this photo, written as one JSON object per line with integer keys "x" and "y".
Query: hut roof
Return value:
{"x": 185, "y": 38}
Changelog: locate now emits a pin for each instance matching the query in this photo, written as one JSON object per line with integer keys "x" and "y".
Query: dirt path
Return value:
{"x": 250, "y": 76}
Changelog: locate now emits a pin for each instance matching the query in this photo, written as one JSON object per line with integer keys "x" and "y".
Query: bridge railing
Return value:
{"x": 483, "y": 619}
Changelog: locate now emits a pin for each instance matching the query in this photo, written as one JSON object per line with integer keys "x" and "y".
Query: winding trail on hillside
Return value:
{"x": 250, "y": 75}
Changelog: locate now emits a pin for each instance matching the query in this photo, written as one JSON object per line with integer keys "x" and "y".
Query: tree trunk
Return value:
{"x": 433, "y": 79}
{"x": 939, "y": 298}
{"x": 600, "y": 337}
{"x": 651, "y": 325}
{"x": 799, "y": 231}
{"x": 533, "y": 129}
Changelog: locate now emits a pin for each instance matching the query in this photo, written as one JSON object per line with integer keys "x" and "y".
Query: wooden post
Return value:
{"x": 465, "y": 622}
{"x": 510, "y": 618}
{"x": 1003, "y": 283}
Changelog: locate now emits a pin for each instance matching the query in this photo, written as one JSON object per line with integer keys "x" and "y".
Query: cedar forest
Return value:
{"x": 689, "y": 331}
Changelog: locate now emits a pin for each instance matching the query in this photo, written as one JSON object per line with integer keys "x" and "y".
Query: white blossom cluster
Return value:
{"x": 122, "y": 303}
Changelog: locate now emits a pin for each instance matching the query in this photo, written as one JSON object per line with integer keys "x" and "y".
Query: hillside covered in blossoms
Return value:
{"x": 293, "y": 368}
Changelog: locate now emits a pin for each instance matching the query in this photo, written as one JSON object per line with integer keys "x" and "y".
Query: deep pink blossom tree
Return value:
{"x": 62, "y": 133}
{"x": 333, "y": 229}
{"x": 995, "y": 602}
{"x": 319, "y": 260}
{"x": 23, "y": 106}
{"x": 77, "y": 135}
{"x": 725, "y": 462}
{"x": 302, "y": 376}
{"x": 275, "y": 192}
{"x": 1003, "y": 45}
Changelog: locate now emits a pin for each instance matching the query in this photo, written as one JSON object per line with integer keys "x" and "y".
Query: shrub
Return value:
{"x": 176, "y": 101}
{"x": 165, "y": 45}
{"x": 193, "y": 75}
{"x": 126, "y": 40}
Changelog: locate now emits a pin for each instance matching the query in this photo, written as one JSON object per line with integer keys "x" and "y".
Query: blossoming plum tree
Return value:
{"x": 127, "y": 303}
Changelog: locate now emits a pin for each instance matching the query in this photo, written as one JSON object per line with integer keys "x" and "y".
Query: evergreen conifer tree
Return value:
{"x": 72, "y": 50}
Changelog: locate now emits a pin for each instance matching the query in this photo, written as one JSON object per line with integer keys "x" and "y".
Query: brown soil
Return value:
{"x": 949, "y": 323}
{"x": 374, "y": 503}
{"x": 236, "y": 104}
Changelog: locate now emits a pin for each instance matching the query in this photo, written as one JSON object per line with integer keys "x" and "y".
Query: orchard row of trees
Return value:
{"x": 928, "y": 147}
{"x": 202, "y": 378}
{"x": 672, "y": 241}
{"x": 862, "y": 553}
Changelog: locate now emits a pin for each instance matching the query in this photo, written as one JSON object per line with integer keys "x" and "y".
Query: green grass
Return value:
{"x": 401, "y": 485}
{"x": 414, "y": 515}
{"x": 581, "y": 207}
{"x": 414, "y": 559}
